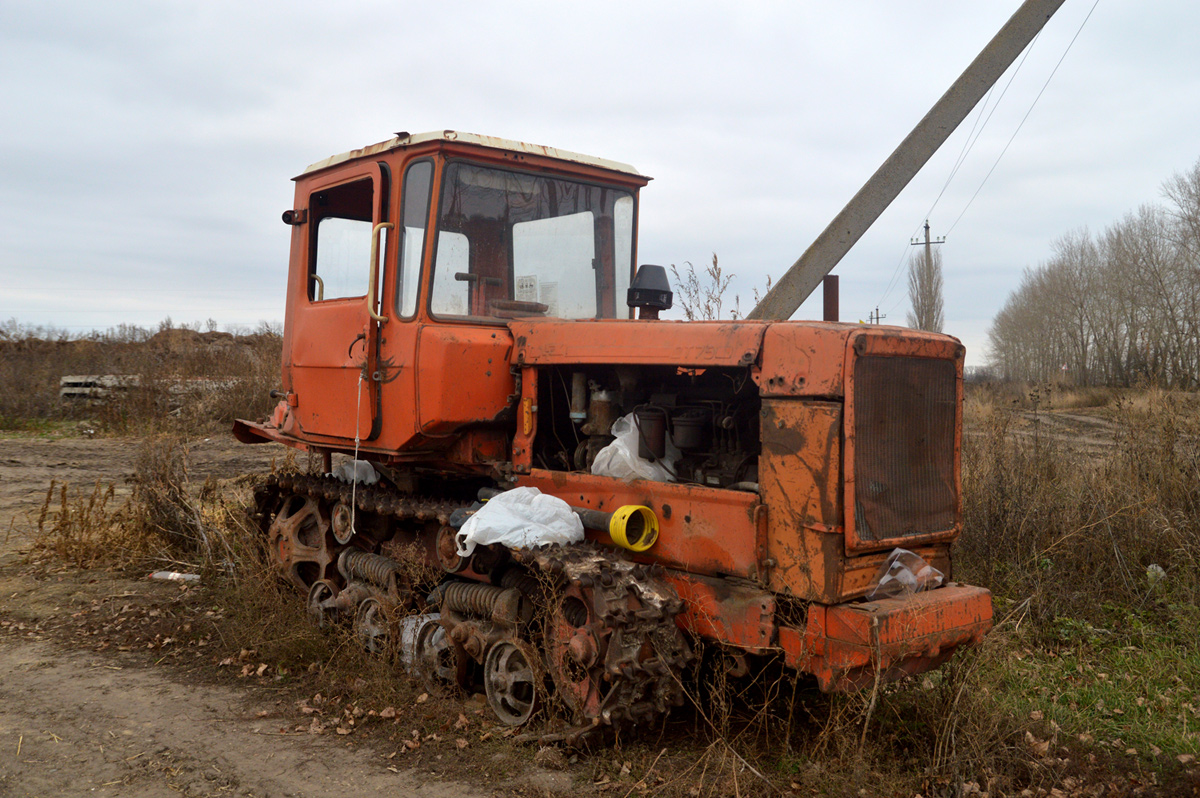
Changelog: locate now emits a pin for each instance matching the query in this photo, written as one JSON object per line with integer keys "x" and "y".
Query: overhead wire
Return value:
{"x": 968, "y": 145}
{"x": 1027, "y": 113}
{"x": 895, "y": 274}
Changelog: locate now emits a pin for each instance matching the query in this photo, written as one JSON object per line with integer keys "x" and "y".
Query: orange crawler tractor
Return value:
{"x": 460, "y": 317}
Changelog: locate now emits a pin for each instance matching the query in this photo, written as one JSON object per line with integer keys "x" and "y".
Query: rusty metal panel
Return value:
{"x": 701, "y": 530}
{"x": 919, "y": 631}
{"x": 902, "y": 342}
{"x": 803, "y": 359}
{"x": 848, "y": 645}
{"x": 670, "y": 343}
{"x": 462, "y": 376}
{"x": 800, "y": 480}
{"x": 800, "y": 466}
{"x": 331, "y": 401}
{"x": 735, "y": 614}
{"x": 908, "y": 624}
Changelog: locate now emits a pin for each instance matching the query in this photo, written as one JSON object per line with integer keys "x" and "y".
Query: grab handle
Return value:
{"x": 371, "y": 288}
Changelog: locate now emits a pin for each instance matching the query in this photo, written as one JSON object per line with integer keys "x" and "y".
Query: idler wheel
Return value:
{"x": 439, "y": 661}
{"x": 320, "y": 603}
{"x": 447, "y": 550}
{"x": 512, "y": 682}
{"x": 371, "y": 626}
{"x": 298, "y": 541}
{"x": 341, "y": 519}
{"x": 575, "y": 647}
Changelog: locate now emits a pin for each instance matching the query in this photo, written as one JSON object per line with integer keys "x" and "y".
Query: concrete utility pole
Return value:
{"x": 878, "y": 192}
{"x": 925, "y": 287}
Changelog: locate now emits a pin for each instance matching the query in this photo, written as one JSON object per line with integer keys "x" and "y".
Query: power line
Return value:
{"x": 973, "y": 141}
{"x": 1027, "y": 113}
{"x": 968, "y": 145}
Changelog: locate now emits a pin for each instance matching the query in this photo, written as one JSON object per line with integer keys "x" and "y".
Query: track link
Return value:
{"x": 607, "y": 634}
{"x": 613, "y": 648}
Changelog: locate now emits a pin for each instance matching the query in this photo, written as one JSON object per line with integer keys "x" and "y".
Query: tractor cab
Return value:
{"x": 409, "y": 258}
{"x": 515, "y": 244}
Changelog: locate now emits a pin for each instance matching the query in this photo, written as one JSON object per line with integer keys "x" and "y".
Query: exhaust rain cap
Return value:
{"x": 650, "y": 291}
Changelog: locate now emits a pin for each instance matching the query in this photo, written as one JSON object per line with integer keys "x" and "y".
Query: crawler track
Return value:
{"x": 582, "y": 622}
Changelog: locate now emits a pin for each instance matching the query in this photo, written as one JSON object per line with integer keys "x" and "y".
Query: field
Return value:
{"x": 1082, "y": 513}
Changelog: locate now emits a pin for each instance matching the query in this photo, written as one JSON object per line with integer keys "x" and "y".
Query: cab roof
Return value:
{"x": 402, "y": 140}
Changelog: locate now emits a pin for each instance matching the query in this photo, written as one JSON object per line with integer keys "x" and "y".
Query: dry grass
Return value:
{"x": 1072, "y": 530}
{"x": 1062, "y": 537}
{"x": 168, "y": 522}
{"x": 188, "y": 379}
{"x": 163, "y": 521}
{"x": 82, "y": 529}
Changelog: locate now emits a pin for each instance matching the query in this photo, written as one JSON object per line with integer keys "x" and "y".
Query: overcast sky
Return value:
{"x": 147, "y": 149}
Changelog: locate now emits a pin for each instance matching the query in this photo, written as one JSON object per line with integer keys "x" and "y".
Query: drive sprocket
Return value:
{"x": 613, "y": 649}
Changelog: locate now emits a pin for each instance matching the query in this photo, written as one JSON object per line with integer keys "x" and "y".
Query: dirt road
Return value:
{"x": 77, "y": 722}
{"x": 74, "y": 724}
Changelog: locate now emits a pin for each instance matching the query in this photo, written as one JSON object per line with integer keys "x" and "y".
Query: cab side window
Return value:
{"x": 341, "y": 245}
{"x": 417, "y": 182}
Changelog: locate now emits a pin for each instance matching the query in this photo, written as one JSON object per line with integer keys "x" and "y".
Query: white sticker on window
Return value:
{"x": 527, "y": 288}
{"x": 549, "y": 297}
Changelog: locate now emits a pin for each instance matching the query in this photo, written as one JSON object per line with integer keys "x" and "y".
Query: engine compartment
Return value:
{"x": 702, "y": 424}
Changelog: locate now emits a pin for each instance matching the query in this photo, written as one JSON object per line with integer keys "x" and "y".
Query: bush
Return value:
{"x": 188, "y": 379}
{"x": 1074, "y": 529}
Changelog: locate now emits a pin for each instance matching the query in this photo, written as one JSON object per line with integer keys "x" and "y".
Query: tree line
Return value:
{"x": 1116, "y": 308}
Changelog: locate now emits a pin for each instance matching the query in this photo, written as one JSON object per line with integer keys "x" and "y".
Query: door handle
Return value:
{"x": 374, "y": 271}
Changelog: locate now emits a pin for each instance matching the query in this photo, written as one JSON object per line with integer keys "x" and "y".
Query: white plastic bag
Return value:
{"x": 521, "y": 518}
{"x": 903, "y": 573}
{"x": 620, "y": 458}
{"x": 360, "y": 471}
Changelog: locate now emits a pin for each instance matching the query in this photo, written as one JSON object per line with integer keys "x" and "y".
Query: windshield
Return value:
{"x": 513, "y": 245}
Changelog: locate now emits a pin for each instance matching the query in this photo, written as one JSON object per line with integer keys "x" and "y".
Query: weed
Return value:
{"x": 701, "y": 298}
{"x": 80, "y": 529}
{"x": 163, "y": 504}
{"x": 186, "y": 379}
{"x": 1071, "y": 528}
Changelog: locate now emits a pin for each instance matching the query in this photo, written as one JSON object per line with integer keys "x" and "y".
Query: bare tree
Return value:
{"x": 1116, "y": 309}
{"x": 925, "y": 292}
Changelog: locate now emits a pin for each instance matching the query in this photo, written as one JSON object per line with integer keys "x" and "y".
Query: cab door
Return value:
{"x": 333, "y": 319}
{"x": 395, "y": 371}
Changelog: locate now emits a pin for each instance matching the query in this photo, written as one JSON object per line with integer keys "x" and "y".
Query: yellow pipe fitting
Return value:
{"x": 633, "y": 527}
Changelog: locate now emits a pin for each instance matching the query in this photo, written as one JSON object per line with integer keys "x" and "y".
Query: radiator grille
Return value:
{"x": 904, "y": 418}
